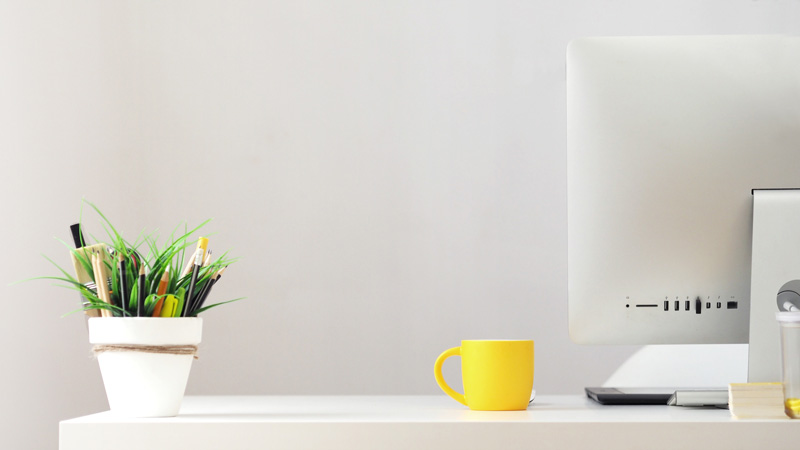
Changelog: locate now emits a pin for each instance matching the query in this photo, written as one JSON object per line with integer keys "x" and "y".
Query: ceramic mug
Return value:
{"x": 497, "y": 375}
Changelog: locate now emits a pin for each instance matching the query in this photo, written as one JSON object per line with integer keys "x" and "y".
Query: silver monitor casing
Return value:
{"x": 666, "y": 138}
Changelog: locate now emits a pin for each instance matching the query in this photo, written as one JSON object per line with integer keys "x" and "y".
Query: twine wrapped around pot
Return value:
{"x": 163, "y": 349}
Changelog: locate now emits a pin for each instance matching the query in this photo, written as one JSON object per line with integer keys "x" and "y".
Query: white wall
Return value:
{"x": 392, "y": 173}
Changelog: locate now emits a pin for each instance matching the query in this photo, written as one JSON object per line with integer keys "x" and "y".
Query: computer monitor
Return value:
{"x": 666, "y": 139}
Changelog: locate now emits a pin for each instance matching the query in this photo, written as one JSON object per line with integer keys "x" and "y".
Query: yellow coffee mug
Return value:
{"x": 497, "y": 375}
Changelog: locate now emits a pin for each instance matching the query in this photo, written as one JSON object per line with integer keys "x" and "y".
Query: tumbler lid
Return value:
{"x": 788, "y": 316}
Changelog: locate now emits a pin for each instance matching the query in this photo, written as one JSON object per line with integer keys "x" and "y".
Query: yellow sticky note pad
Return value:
{"x": 793, "y": 407}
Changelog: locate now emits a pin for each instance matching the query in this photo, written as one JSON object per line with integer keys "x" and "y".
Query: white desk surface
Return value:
{"x": 419, "y": 422}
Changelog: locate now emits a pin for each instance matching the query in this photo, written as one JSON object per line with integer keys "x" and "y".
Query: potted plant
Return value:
{"x": 143, "y": 301}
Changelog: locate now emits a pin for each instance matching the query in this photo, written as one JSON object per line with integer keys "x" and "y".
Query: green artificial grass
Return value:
{"x": 155, "y": 260}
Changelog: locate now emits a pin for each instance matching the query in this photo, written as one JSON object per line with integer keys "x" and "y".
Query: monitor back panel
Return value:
{"x": 666, "y": 138}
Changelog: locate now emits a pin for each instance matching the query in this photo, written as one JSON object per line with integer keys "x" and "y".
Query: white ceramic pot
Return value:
{"x": 143, "y": 384}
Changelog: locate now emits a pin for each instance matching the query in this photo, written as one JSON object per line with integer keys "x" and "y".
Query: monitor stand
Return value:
{"x": 775, "y": 263}
{"x": 775, "y": 267}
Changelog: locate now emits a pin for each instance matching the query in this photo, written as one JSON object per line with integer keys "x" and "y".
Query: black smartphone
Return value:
{"x": 630, "y": 396}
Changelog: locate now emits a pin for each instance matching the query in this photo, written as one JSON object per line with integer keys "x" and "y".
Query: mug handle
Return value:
{"x": 437, "y": 372}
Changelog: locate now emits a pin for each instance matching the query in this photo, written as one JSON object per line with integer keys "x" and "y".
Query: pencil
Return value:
{"x": 77, "y": 236}
{"x": 197, "y": 263}
{"x": 97, "y": 285}
{"x": 189, "y": 265}
{"x": 162, "y": 289}
{"x": 199, "y": 295}
{"x": 101, "y": 285}
{"x": 80, "y": 244}
{"x": 96, "y": 276}
{"x": 207, "y": 261}
{"x": 142, "y": 296}
{"x": 202, "y": 246}
{"x": 199, "y": 257}
{"x": 101, "y": 265}
{"x": 206, "y": 291}
{"x": 124, "y": 289}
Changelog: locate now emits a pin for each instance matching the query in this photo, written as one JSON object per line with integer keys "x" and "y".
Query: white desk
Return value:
{"x": 419, "y": 422}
